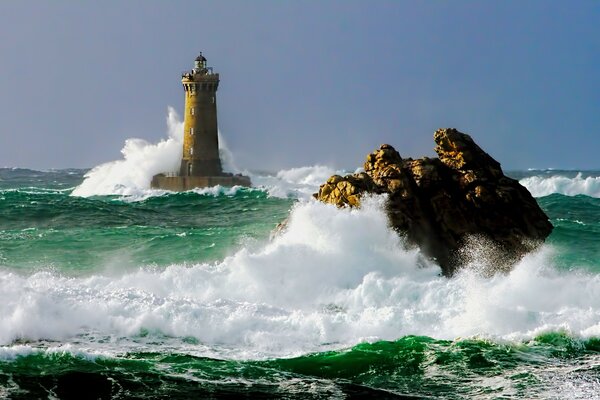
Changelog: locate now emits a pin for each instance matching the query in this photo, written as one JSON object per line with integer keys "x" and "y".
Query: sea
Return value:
{"x": 111, "y": 290}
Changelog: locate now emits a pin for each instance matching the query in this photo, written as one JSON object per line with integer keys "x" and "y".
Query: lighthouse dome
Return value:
{"x": 200, "y": 64}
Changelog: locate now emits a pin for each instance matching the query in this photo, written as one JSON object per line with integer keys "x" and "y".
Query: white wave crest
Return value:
{"x": 131, "y": 176}
{"x": 299, "y": 182}
{"x": 8, "y": 353}
{"x": 540, "y": 186}
{"x": 332, "y": 279}
{"x": 142, "y": 160}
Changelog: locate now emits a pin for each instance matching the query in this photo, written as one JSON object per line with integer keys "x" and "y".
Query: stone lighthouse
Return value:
{"x": 200, "y": 162}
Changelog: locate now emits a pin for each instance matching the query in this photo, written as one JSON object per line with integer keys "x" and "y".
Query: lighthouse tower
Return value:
{"x": 200, "y": 138}
{"x": 200, "y": 162}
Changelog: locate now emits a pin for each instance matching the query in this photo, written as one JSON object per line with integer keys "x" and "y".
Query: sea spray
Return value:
{"x": 543, "y": 185}
{"x": 297, "y": 183}
{"x": 227, "y": 160}
{"x": 332, "y": 279}
{"x": 142, "y": 160}
{"x": 185, "y": 293}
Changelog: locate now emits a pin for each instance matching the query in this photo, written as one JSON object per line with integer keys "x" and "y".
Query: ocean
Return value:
{"x": 152, "y": 294}
{"x": 111, "y": 290}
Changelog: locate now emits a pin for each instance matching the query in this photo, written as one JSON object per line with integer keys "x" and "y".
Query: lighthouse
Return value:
{"x": 200, "y": 161}
{"x": 200, "y": 138}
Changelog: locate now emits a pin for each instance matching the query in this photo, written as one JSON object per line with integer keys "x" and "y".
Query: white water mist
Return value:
{"x": 540, "y": 186}
{"x": 332, "y": 279}
{"x": 142, "y": 160}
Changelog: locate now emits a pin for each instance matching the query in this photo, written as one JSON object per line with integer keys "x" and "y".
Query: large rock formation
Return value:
{"x": 441, "y": 204}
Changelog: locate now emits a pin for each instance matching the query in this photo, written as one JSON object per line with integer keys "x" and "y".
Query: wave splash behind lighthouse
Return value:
{"x": 200, "y": 162}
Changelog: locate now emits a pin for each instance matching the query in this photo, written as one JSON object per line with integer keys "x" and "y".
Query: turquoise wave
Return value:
{"x": 51, "y": 229}
{"x": 43, "y": 227}
{"x": 576, "y": 234}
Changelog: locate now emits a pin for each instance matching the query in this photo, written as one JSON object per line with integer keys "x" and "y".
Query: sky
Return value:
{"x": 303, "y": 82}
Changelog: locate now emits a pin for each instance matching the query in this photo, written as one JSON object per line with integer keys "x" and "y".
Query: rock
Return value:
{"x": 441, "y": 204}
{"x": 346, "y": 190}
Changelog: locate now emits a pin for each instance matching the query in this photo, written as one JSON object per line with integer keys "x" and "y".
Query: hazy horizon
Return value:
{"x": 303, "y": 83}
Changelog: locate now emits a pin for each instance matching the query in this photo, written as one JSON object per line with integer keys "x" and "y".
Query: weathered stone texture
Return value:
{"x": 183, "y": 183}
{"x": 442, "y": 203}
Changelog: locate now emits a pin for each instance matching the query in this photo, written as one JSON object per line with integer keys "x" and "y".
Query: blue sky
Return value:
{"x": 304, "y": 82}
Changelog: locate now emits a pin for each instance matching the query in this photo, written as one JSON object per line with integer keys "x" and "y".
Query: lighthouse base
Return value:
{"x": 183, "y": 183}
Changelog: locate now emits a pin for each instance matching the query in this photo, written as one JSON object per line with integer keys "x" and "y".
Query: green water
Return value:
{"x": 576, "y": 232}
{"x": 412, "y": 367}
{"x": 51, "y": 229}
{"x": 60, "y": 254}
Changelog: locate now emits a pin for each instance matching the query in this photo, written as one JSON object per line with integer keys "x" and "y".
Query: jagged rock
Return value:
{"x": 441, "y": 204}
{"x": 347, "y": 190}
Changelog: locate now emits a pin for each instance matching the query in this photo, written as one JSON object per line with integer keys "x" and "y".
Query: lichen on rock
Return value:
{"x": 440, "y": 203}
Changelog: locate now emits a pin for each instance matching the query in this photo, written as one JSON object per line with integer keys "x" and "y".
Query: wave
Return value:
{"x": 333, "y": 278}
{"x": 142, "y": 160}
{"x": 299, "y": 183}
{"x": 369, "y": 370}
{"x": 541, "y": 186}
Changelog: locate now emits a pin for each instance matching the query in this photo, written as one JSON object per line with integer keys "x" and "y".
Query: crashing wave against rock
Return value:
{"x": 441, "y": 203}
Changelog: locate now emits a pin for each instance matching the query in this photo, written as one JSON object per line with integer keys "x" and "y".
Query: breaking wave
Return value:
{"x": 142, "y": 160}
{"x": 298, "y": 183}
{"x": 333, "y": 278}
{"x": 540, "y": 186}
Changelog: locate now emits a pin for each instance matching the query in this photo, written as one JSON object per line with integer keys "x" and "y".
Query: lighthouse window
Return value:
{"x": 213, "y": 99}
{"x": 192, "y": 113}
{"x": 191, "y": 131}
{"x": 191, "y": 151}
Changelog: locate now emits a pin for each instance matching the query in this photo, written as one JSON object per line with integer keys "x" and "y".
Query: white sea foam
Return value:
{"x": 332, "y": 279}
{"x": 226, "y": 156}
{"x": 131, "y": 176}
{"x": 299, "y": 182}
{"x": 540, "y": 186}
{"x": 142, "y": 160}
{"x": 8, "y": 353}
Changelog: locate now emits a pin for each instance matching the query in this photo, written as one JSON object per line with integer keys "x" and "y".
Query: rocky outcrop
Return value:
{"x": 441, "y": 204}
